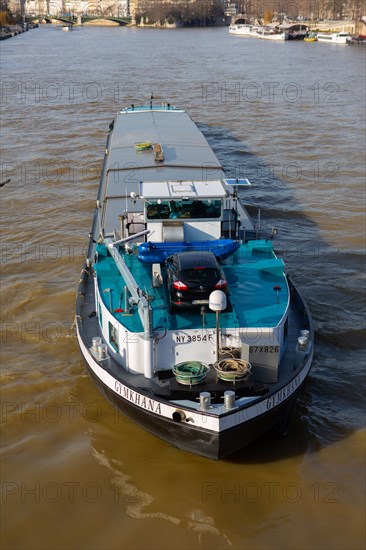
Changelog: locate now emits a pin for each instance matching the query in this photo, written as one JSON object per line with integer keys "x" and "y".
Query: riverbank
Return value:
{"x": 332, "y": 26}
{"x": 101, "y": 23}
{"x": 8, "y": 31}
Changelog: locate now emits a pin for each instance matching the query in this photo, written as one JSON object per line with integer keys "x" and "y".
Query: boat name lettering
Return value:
{"x": 283, "y": 394}
{"x": 186, "y": 338}
{"x": 264, "y": 349}
{"x": 138, "y": 399}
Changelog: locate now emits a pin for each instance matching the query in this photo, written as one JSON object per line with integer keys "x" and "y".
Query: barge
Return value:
{"x": 185, "y": 316}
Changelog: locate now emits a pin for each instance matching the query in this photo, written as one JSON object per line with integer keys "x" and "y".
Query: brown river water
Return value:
{"x": 289, "y": 116}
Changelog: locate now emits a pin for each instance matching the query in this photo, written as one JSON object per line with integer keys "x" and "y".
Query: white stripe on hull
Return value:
{"x": 199, "y": 420}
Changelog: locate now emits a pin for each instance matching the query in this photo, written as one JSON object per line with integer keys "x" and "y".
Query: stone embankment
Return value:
{"x": 101, "y": 22}
{"x": 332, "y": 26}
{"x": 7, "y": 31}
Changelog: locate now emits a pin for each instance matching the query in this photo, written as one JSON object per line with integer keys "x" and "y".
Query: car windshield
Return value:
{"x": 200, "y": 275}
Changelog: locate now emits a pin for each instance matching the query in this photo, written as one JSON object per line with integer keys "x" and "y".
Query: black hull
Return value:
{"x": 206, "y": 443}
{"x": 187, "y": 436}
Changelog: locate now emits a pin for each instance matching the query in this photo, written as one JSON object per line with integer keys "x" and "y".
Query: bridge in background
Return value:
{"x": 73, "y": 20}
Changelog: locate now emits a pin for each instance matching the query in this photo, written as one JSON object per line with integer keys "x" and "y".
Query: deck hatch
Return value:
{"x": 180, "y": 189}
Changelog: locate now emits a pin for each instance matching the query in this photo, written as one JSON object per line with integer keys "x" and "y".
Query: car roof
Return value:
{"x": 196, "y": 258}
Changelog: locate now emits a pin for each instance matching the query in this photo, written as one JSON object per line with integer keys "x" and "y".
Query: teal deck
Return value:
{"x": 252, "y": 273}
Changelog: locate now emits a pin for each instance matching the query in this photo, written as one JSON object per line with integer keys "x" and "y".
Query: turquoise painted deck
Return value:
{"x": 252, "y": 273}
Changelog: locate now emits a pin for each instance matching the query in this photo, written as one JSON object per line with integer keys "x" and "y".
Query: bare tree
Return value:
{"x": 194, "y": 13}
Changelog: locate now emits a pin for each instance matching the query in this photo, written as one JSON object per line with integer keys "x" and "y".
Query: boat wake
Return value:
{"x": 136, "y": 502}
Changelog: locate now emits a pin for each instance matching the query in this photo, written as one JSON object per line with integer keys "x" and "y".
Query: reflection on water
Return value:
{"x": 75, "y": 473}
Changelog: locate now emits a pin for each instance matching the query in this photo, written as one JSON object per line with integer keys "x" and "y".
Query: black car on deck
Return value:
{"x": 191, "y": 277}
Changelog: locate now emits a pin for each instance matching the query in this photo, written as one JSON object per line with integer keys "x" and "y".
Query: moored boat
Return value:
{"x": 295, "y": 31}
{"x": 356, "y": 41}
{"x": 240, "y": 29}
{"x": 334, "y": 38}
{"x": 207, "y": 343}
{"x": 310, "y": 37}
{"x": 268, "y": 33}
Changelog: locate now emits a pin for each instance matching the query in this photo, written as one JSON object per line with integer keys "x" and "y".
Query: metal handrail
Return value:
{"x": 133, "y": 287}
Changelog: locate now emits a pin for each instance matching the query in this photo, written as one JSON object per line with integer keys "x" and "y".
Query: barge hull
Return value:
{"x": 210, "y": 444}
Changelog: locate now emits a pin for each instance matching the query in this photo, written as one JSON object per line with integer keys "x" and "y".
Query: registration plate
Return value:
{"x": 199, "y": 301}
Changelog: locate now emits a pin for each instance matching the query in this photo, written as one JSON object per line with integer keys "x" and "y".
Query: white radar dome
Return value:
{"x": 217, "y": 300}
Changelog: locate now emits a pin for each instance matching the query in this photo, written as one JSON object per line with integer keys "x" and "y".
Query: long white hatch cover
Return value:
{"x": 179, "y": 189}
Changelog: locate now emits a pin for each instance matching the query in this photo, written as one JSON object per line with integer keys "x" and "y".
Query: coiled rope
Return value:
{"x": 232, "y": 369}
{"x": 190, "y": 372}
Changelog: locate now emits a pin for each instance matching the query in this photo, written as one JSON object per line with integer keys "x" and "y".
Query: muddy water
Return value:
{"x": 76, "y": 474}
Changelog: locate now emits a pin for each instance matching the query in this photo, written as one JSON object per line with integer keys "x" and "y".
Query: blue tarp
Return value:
{"x": 157, "y": 253}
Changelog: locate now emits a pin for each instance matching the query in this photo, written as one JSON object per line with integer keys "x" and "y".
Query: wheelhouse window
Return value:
{"x": 183, "y": 209}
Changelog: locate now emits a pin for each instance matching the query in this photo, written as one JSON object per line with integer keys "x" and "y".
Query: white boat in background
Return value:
{"x": 334, "y": 38}
{"x": 268, "y": 33}
{"x": 240, "y": 29}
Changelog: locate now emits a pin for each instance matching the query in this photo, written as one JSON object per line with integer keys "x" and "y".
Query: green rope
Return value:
{"x": 190, "y": 371}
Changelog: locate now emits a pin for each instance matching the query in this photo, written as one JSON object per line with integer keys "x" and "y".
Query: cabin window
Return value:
{"x": 113, "y": 336}
{"x": 183, "y": 209}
